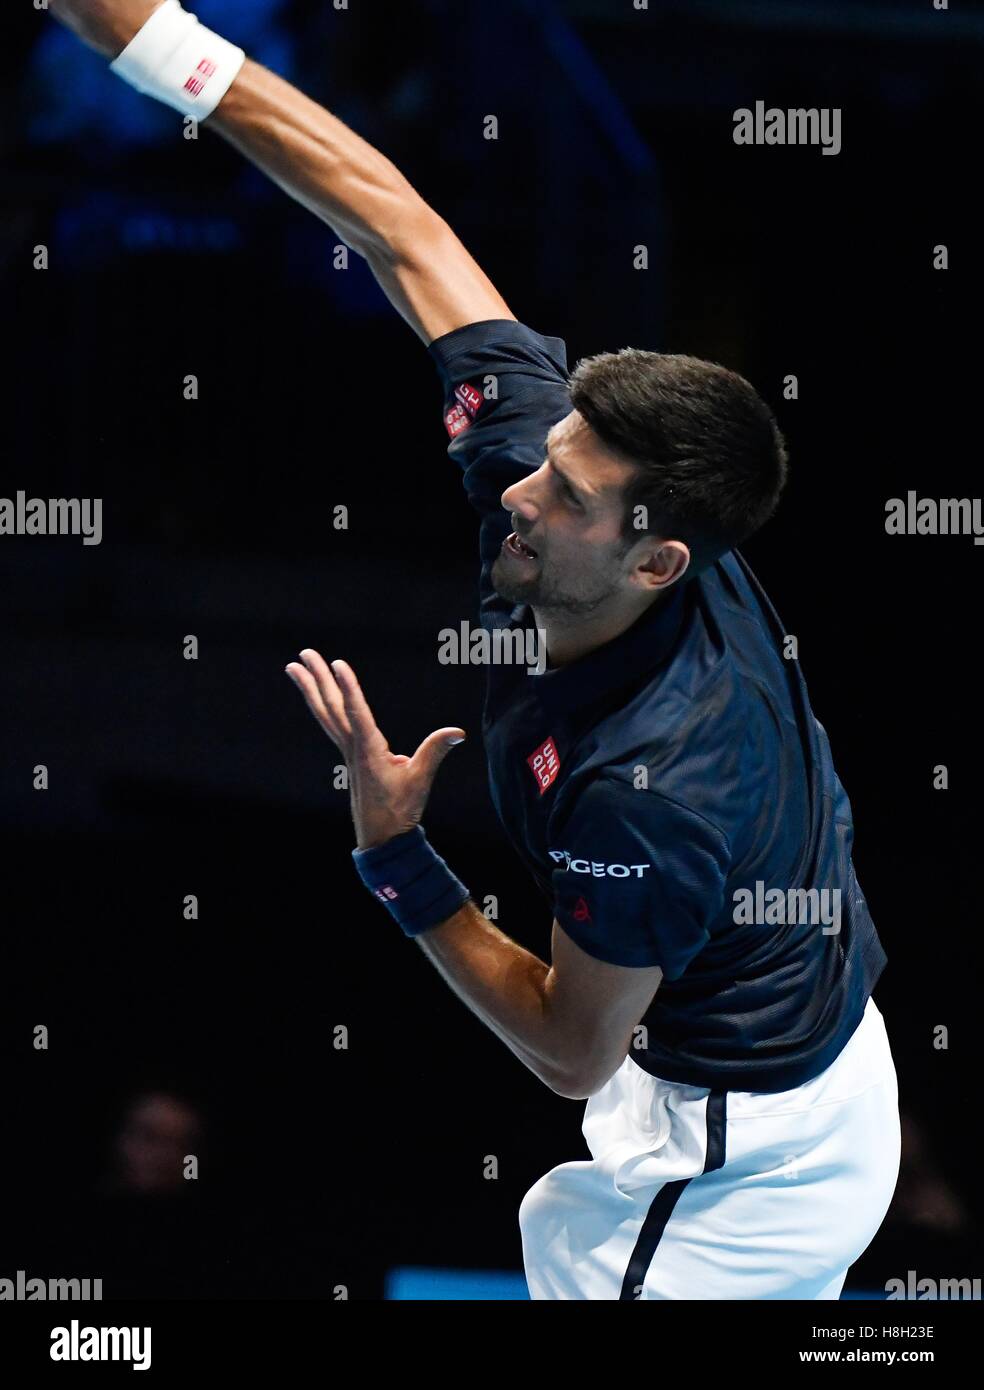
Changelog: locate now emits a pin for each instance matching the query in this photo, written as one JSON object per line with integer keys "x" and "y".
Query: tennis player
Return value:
{"x": 664, "y": 779}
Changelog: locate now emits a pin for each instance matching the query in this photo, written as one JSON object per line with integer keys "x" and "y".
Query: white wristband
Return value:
{"x": 180, "y": 62}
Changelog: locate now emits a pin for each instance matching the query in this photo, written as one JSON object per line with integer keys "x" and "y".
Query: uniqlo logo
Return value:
{"x": 386, "y": 894}
{"x": 469, "y": 396}
{"x": 196, "y": 82}
{"x": 544, "y": 764}
{"x": 456, "y": 420}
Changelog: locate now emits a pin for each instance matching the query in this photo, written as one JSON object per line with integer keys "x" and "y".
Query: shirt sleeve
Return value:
{"x": 638, "y": 879}
{"x": 504, "y": 387}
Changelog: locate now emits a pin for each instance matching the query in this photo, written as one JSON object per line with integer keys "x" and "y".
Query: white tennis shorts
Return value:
{"x": 692, "y": 1193}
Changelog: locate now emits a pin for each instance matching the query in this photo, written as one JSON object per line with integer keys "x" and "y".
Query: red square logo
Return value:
{"x": 544, "y": 764}
{"x": 469, "y": 396}
{"x": 456, "y": 420}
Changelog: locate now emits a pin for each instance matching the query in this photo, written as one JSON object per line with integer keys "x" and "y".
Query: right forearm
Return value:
{"x": 329, "y": 169}
{"x": 420, "y": 263}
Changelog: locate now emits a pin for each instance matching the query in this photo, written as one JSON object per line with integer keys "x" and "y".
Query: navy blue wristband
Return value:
{"x": 412, "y": 880}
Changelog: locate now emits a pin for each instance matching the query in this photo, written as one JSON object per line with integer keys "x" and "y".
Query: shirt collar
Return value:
{"x": 639, "y": 649}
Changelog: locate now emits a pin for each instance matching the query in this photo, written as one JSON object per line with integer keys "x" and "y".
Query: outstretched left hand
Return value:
{"x": 389, "y": 790}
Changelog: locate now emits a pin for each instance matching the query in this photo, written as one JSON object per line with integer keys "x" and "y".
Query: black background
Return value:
{"x": 169, "y": 777}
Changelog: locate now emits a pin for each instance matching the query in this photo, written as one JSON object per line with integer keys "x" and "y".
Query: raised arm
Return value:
{"x": 422, "y": 266}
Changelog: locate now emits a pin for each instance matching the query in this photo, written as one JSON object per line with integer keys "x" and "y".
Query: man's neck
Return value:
{"x": 569, "y": 637}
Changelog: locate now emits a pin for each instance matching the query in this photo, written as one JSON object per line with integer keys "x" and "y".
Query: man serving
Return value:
{"x": 664, "y": 772}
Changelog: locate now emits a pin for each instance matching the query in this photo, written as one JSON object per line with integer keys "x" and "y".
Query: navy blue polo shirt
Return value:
{"x": 671, "y": 793}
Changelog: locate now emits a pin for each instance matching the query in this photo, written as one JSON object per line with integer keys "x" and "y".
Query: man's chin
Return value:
{"x": 511, "y": 586}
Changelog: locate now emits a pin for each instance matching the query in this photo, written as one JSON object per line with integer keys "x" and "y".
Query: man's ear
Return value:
{"x": 661, "y": 563}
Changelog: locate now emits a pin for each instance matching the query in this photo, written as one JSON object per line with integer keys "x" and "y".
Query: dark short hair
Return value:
{"x": 712, "y": 459}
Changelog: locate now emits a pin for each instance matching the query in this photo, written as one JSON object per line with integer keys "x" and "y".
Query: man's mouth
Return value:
{"x": 515, "y": 546}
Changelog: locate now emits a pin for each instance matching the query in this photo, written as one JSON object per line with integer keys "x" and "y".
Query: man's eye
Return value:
{"x": 566, "y": 491}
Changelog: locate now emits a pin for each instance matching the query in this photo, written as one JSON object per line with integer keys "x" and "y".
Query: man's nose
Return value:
{"x": 519, "y": 498}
